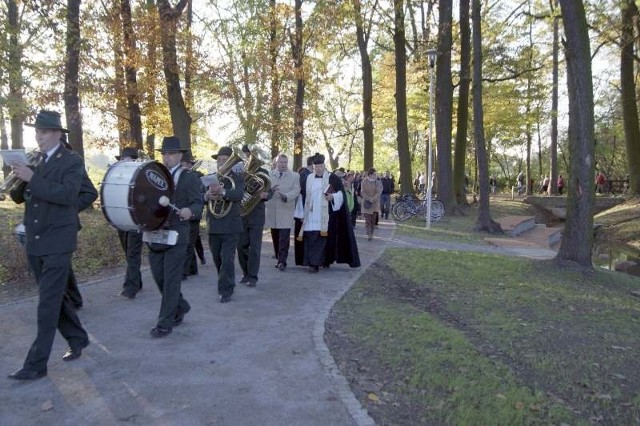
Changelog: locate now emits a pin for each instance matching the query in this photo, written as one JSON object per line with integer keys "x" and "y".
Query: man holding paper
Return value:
{"x": 327, "y": 230}
{"x": 50, "y": 193}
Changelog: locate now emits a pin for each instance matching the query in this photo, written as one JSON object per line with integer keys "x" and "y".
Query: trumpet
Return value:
{"x": 12, "y": 182}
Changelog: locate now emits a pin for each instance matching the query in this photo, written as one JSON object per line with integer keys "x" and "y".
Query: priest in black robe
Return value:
{"x": 327, "y": 230}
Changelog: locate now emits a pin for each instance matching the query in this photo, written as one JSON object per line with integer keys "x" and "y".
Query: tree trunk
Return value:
{"x": 399, "y": 42}
{"x": 119, "y": 84}
{"x": 444, "y": 106}
{"x": 133, "y": 104}
{"x": 367, "y": 84}
{"x": 298, "y": 114}
{"x": 553, "y": 187}
{"x": 463, "y": 105}
{"x": 180, "y": 118}
{"x": 17, "y": 110}
{"x": 484, "y": 222}
{"x": 151, "y": 84}
{"x": 628, "y": 94}
{"x": 276, "y": 114}
{"x": 577, "y": 239}
{"x": 71, "y": 93}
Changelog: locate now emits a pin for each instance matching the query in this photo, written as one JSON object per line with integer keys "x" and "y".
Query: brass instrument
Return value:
{"x": 11, "y": 181}
{"x": 255, "y": 182}
{"x": 218, "y": 207}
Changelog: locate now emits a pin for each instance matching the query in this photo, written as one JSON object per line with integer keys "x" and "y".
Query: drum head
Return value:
{"x": 131, "y": 192}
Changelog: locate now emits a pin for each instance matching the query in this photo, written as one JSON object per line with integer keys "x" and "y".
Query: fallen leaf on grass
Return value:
{"x": 373, "y": 397}
{"x": 47, "y": 405}
{"x": 501, "y": 396}
{"x": 519, "y": 405}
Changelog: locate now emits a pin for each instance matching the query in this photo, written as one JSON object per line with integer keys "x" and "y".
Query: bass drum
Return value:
{"x": 130, "y": 194}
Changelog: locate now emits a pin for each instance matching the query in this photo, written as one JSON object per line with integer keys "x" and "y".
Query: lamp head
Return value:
{"x": 432, "y": 54}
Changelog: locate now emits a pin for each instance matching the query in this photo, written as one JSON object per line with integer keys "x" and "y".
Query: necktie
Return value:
{"x": 280, "y": 175}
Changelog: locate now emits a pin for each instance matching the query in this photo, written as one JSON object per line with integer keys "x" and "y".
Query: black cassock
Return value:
{"x": 341, "y": 244}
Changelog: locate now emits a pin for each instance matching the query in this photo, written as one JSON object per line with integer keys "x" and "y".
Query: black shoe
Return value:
{"x": 128, "y": 295}
{"x": 282, "y": 266}
{"x": 225, "y": 299}
{"x": 74, "y": 353}
{"x": 184, "y": 277}
{"x": 179, "y": 317}
{"x": 244, "y": 279}
{"x": 203, "y": 261}
{"x": 252, "y": 282}
{"x": 313, "y": 269}
{"x": 24, "y": 374}
{"x": 78, "y": 306}
{"x": 160, "y": 332}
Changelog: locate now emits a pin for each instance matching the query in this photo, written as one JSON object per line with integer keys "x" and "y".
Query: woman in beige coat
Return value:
{"x": 370, "y": 190}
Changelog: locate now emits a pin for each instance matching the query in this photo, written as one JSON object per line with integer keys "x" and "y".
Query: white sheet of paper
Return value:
{"x": 10, "y": 156}
{"x": 209, "y": 179}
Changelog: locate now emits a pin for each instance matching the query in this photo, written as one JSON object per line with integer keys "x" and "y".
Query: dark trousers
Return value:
{"x": 298, "y": 244}
{"x": 314, "y": 245}
{"x": 223, "y": 247}
{"x": 73, "y": 292}
{"x": 250, "y": 249}
{"x": 199, "y": 249}
{"x": 54, "y": 311}
{"x": 281, "y": 243}
{"x": 191, "y": 263}
{"x": 131, "y": 242}
{"x": 166, "y": 268}
{"x": 385, "y": 205}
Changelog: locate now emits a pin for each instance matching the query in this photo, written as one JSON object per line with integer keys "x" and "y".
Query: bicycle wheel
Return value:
{"x": 437, "y": 210}
{"x": 401, "y": 211}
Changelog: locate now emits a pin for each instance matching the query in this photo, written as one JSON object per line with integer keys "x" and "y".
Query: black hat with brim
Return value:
{"x": 128, "y": 152}
{"x": 171, "y": 144}
{"x": 48, "y": 120}
{"x": 225, "y": 150}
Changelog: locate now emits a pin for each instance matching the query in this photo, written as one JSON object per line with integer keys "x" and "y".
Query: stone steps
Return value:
{"x": 525, "y": 232}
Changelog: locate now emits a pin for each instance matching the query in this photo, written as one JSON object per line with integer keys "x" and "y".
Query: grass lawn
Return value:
{"x": 430, "y": 337}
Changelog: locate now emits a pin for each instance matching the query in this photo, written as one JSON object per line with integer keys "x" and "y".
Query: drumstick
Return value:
{"x": 164, "y": 202}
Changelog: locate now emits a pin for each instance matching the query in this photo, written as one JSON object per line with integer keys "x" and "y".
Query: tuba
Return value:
{"x": 255, "y": 182}
{"x": 11, "y": 181}
{"x": 218, "y": 207}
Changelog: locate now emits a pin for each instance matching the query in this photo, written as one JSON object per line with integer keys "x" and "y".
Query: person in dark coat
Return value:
{"x": 131, "y": 243}
{"x": 224, "y": 230}
{"x": 88, "y": 194}
{"x": 195, "y": 243}
{"x": 298, "y": 215}
{"x": 167, "y": 261}
{"x": 50, "y": 193}
{"x": 250, "y": 241}
{"x": 328, "y": 233}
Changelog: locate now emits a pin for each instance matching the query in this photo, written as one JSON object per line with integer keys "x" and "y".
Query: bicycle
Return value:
{"x": 408, "y": 206}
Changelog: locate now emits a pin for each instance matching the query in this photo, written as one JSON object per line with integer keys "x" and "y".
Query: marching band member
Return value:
{"x": 51, "y": 224}
{"x": 167, "y": 261}
{"x": 224, "y": 231}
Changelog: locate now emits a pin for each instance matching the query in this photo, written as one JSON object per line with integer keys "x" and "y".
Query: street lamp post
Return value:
{"x": 431, "y": 54}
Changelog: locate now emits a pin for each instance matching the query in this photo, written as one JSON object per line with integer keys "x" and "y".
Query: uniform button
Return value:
{"x": 35, "y": 205}
{"x": 35, "y": 221}
{"x": 37, "y": 237}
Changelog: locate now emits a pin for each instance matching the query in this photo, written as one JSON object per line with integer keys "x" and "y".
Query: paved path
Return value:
{"x": 259, "y": 360}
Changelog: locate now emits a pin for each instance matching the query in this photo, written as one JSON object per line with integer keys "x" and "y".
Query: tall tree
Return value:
{"x": 17, "y": 111}
{"x": 463, "y": 105}
{"x": 276, "y": 81}
{"x": 180, "y": 118}
{"x": 577, "y": 240}
{"x": 71, "y": 82}
{"x": 131, "y": 78}
{"x": 363, "y": 33}
{"x": 553, "y": 149}
{"x": 399, "y": 42}
{"x": 444, "y": 104}
{"x": 628, "y": 94}
{"x": 297, "y": 50}
{"x": 484, "y": 222}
